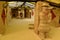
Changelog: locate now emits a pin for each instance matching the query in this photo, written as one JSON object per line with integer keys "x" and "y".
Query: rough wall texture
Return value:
{"x": 54, "y": 22}
{"x": 2, "y": 26}
{"x": 37, "y": 9}
{"x": 8, "y": 14}
{"x": 7, "y": 19}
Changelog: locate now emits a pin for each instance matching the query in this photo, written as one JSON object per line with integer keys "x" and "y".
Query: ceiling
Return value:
{"x": 17, "y": 4}
{"x": 55, "y": 3}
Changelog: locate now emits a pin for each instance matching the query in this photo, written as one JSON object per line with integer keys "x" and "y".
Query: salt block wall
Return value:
{"x": 7, "y": 19}
{"x": 36, "y": 21}
{"x": 8, "y": 14}
{"x": 54, "y": 22}
{"x": 2, "y": 26}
